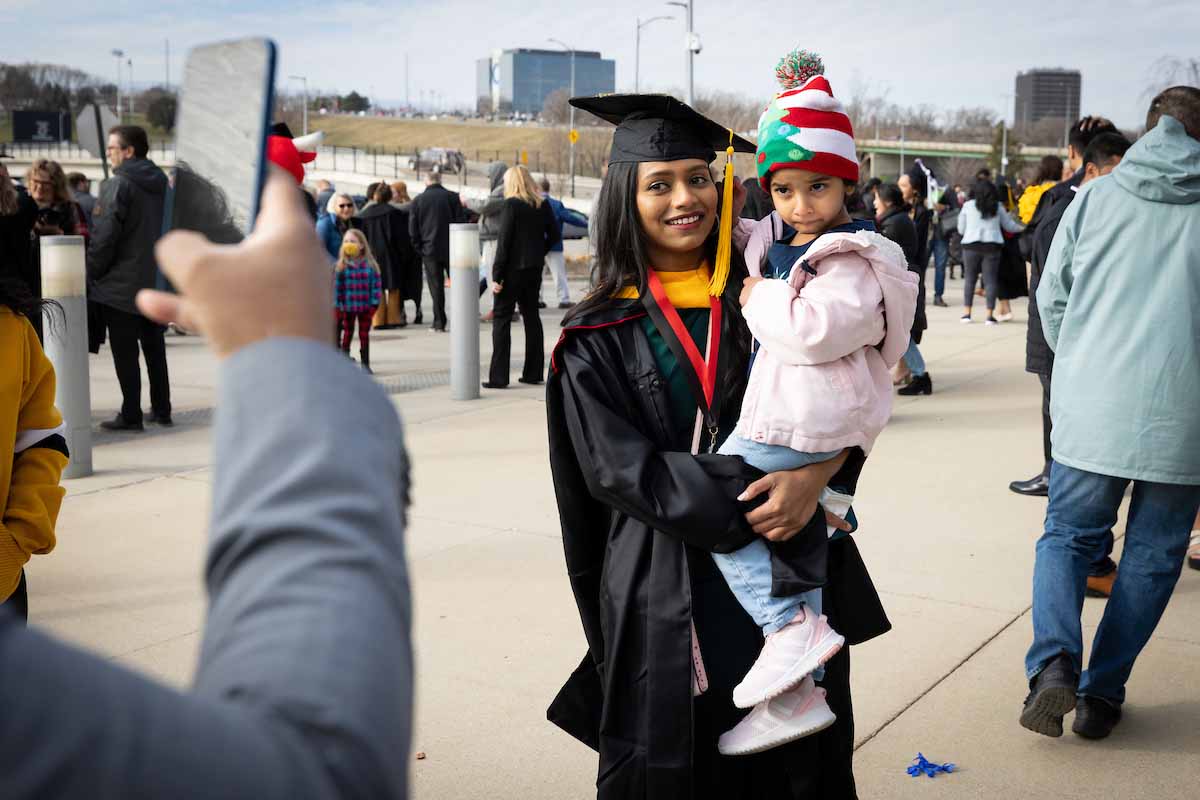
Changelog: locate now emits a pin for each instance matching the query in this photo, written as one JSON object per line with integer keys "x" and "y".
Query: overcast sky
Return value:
{"x": 945, "y": 54}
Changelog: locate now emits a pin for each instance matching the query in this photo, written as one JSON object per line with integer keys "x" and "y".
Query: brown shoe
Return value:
{"x": 1102, "y": 586}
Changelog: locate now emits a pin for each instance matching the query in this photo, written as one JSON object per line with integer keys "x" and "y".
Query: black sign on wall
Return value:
{"x": 41, "y": 126}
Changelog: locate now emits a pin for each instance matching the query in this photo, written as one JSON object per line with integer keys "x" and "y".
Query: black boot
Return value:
{"x": 921, "y": 384}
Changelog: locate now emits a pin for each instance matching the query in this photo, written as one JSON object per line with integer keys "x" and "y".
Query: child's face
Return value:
{"x": 808, "y": 201}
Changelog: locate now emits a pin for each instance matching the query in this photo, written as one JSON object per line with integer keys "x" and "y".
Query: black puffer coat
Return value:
{"x": 899, "y": 227}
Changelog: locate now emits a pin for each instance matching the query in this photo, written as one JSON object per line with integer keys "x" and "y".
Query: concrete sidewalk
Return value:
{"x": 950, "y": 548}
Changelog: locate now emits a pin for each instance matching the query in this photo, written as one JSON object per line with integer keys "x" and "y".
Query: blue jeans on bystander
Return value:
{"x": 1083, "y": 508}
{"x": 941, "y": 257}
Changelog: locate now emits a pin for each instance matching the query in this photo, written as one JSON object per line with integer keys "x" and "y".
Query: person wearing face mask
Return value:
{"x": 358, "y": 288}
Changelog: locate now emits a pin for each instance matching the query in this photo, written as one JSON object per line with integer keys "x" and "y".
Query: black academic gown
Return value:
{"x": 640, "y": 516}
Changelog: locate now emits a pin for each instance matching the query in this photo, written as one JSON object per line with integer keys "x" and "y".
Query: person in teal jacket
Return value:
{"x": 1118, "y": 300}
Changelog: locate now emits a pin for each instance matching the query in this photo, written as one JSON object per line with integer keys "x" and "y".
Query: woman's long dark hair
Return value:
{"x": 15, "y": 296}
{"x": 620, "y": 246}
{"x": 987, "y": 198}
{"x": 1049, "y": 170}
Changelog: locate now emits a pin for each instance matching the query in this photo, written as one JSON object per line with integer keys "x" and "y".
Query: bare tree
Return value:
{"x": 1171, "y": 71}
{"x": 556, "y": 110}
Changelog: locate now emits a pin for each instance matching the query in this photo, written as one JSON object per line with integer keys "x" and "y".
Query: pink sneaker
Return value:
{"x": 786, "y": 718}
{"x": 788, "y": 656}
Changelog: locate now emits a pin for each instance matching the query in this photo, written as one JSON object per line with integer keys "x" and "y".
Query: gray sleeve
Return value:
{"x": 304, "y": 687}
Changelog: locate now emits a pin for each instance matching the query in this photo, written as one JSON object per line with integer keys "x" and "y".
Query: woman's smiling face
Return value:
{"x": 677, "y": 205}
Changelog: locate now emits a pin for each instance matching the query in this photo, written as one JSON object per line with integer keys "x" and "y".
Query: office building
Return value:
{"x": 520, "y": 80}
{"x": 1047, "y": 94}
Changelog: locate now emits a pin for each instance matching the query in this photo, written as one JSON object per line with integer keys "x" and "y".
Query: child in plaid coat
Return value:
{"x": 358, "y": 289}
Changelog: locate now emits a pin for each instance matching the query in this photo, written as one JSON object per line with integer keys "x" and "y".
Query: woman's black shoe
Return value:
{"x": 537, "y": 382}
{"x": 154, "y": 418}
{"x": 1095, "y": 718}
{"x": 490, "y": 385}
{"x": 419, "y": 318}
{"x": 921, "y": 384}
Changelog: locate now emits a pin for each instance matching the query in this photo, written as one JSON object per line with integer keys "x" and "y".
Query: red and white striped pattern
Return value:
{"x": 823, "y": 127}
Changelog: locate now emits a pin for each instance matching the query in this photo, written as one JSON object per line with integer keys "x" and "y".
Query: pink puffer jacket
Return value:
{"x": 828, "y": 337}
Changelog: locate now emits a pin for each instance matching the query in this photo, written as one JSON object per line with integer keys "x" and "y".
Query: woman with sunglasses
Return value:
{"x": 333, "y": 226}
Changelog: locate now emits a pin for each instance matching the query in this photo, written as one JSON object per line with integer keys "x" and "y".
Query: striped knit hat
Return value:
{"x": 805, "y": 126}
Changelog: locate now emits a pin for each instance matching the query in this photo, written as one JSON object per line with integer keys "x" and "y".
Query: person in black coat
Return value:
{"x": 120, "y": 263}
{"x": 386, "y": 229}
{"x": 894, "y": 221}
{"x": 434, "y": 210}
{"x": 758, "y": 203}
{"x": 527, "y": 231}
{"x": 18, "y": 215}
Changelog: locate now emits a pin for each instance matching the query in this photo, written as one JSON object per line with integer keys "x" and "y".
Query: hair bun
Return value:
{"x": 797, "y": 67}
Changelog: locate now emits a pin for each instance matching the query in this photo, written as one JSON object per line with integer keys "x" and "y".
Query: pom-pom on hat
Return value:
{"x": 805, "y": 126}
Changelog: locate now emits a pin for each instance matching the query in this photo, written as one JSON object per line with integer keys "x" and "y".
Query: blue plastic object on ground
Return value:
{"x": 922, "y": 765}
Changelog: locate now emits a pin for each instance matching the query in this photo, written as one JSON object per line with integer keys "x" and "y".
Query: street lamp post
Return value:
{"x": 118, "y": 54}
{"x": 691, "y": 47}
{"x": 130, "y": 64}
{"x": 637, "y": 53}
{"x": 571, "y": 123}
{"x": 303, "y": 79}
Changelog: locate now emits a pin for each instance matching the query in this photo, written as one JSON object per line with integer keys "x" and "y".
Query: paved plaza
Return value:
{"x": 949, "y": 547}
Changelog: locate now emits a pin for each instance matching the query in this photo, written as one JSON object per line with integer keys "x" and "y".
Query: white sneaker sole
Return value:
{"x": 826, "y": 649}
{"x": 813, "y": 721}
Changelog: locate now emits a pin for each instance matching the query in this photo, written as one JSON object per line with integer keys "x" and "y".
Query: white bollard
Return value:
{"x": 64, "y": 279}
{"x": 464, "y": 311}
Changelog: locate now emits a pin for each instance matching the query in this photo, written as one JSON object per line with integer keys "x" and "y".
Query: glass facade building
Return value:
{"x": 521, "y": 80}
{"x": 1047, "y": 93}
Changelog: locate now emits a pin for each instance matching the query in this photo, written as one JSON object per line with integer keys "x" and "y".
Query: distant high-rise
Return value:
{"x": 1047, "y": 93}
{"x": 520, "y": 80}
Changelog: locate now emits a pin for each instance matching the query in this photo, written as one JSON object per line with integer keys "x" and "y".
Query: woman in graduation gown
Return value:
{"x": 649, "y": 369}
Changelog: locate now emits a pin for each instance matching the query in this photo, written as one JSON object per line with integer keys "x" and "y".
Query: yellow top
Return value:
{"x": 1029, "y": 200}
{"x": 30, "y": 495}
{"x": 686, "y": 289}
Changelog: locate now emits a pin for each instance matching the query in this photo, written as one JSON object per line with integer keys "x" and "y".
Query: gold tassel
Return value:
{"x": 720, "y": 275}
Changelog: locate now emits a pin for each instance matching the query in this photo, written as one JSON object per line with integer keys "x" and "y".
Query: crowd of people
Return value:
{"x": 710, "y": 405}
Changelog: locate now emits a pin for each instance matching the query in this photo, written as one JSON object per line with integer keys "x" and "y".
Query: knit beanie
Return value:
{"x": 805, "y": 126}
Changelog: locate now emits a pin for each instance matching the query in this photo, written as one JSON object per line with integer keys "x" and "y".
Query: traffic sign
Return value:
{"x": 573, "y": 136}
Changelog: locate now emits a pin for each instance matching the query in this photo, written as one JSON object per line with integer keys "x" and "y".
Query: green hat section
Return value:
{"x": 773, "y": 145}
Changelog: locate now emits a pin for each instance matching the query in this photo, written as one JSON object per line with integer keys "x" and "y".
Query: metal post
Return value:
{"x": 637, "y": 57}
{"x": 691, "y": 75}
{"x": 1003, "y": 147}
{"x": 464, "y": 311}
{"x": 64, "y": 279}
{"x": 901, "y": 148}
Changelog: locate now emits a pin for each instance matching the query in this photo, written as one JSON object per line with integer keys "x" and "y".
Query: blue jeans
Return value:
{"x": 748, "y": 571}
{"x": 941, "y": 257}
{"x": 914, "y": 360}
{"x": 1083, "y": 508}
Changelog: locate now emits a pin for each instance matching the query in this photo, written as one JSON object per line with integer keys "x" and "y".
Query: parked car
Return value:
{"x": 451, "y": 161}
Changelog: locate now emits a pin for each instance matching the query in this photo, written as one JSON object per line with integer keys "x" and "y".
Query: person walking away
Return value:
{"x": 386, "y": 230}
{"x": 434, "y": 210}
{"x": 1012, "y": 282}
{"x": 945, "y": 228}
{"x": 489, "y": 225}
{"x": 357, "y": 292}
{"x": 914, "y": 187}
{"x": 33, "y": 447}
{"x": 412, "y": 276}
{"x": 120, "y": 263}
{"x": 18, "y": 215}
{"x": 842, "y": 305}
{"x": 1123, "y": 403}
{"x": 528, "y": 228}
{"x": 556, "y": 259}
{"x": 1050, "y": 170}
{"x": 980, "y": 224}
{"x": 332, "y": 227}
{"x": 81, "y": 192}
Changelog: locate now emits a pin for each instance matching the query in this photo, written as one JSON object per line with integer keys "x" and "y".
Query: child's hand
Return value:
{"x": 747, "y": 287}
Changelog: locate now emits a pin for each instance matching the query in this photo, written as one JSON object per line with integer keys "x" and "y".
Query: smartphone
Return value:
{"x": 221, "y": 137}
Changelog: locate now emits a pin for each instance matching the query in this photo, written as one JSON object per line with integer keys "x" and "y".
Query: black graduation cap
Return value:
{"x": 657, "y": 127}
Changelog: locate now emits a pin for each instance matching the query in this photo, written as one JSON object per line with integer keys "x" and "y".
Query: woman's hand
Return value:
{"x": 747, "y": 287}
{"x": 497, "y": 288}
{"x": 792, "y": 500}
